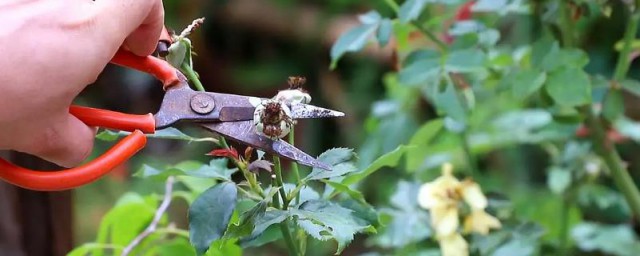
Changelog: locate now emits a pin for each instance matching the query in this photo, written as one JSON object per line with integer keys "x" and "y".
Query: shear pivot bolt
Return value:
{"x": 202, "y": 103}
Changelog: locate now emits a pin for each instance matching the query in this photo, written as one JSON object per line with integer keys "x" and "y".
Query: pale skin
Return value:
{"x": 50, "y": 51}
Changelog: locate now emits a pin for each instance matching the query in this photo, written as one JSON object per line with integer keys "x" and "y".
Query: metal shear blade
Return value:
{"x": 183, "y": 103}
{"x": 244, "y": 132}
{"x": 303, "y": 111}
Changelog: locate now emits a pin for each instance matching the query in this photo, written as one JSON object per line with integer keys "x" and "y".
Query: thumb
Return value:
{"x": 67, "y": 142}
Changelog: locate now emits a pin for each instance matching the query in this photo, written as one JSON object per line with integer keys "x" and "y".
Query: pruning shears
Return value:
{"x": 228, "y": 115}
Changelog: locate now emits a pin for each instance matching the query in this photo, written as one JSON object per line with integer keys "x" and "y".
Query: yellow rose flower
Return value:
{"x": 442, "y": 192}
{"x": 445, "y": 220}
{"x": 441, "y": 197}
{"x": 453, "y": 245}
{"x": 473, "y": 196}
{"x": 478, "y": 221}
{"x": 481, "y": 222}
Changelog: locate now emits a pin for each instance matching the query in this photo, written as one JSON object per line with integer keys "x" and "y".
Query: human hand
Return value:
{"x": 50, "y": 51}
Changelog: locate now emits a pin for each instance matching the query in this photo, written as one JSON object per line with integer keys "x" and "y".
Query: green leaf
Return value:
{"x": 178, "y": 53}
{"x": 261, "y": 224}
{"x": 339, "y": 159}
{"x": 404, "y": 229}
{"x": 525, "y": 83}
{"x": 341, "y": 188}
{"x": 126, "y": 220}
{"x": 466, "y": 60}
{"x": 631, "y": 86}
{"x": 210, "y": 213}
{"x": 420, "y": 71}
{"x": 371, "y": 17}
{"x": 405, "y": 196}
{"x": 305, "y": 192}
{"x": 569, "y": 87}
{"x": 486, "y": 244}
{"x": 524, "y": 120}
{"x": 336, "y": 171}
{"x": 466, "y": 41}
{"x": 562, "y": 58}
{"x": 420, "y": 54}
{"x": 384, "y": 32}
{"x": 351, "y": 41}
{"x": 223, "y": 248}
{"x": 611, "y": 239}
{"x": 466, "y": 27}
{"x": 450, "y": 104}
{"x": 541, "y": 49}
{"x": 87, "y": 248}
{"x": 523, "y": 239}
{"x": 408, "y": 224}
{"x": 548, "y": 56}
{"x": 488, "y": 37}
{"x": 403, "y": 124}
{"x": 108, "y": 135}
{"x": 426, "y": 132}
{"x": 411, "y": 10}
{"x": 247, "y": 221}
{"x": 216, "y": 169}
{"x": 362, "y": 211}
{"x": 490, "y": 5}
{"x": 271, "y": 234}
{"x": 603, "y": 203}
{"x": 558, "y": 179}
{"x": 628, "y": 128}
{"x": 325, "y": 220}
{"x": 517, "y": 246}
{"x": 195, "y": 184}
{"x": 390, "y": 159}
{"x": 421, "y": 140}
{"x": 174, "y": 247}
{"x": 167, "y": 133}
{"x": 613, "y": 106}
{"x": 336, "y": 156}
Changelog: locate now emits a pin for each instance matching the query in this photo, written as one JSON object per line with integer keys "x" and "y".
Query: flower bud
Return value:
{"x": 272, "y": 118}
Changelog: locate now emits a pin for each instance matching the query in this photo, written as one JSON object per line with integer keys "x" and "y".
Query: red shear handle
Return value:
{"x": 121, "y": 152}
{"x": 74, "y": 177}
{"x": 160, "y": 69}
{"x": 114, "y": 120}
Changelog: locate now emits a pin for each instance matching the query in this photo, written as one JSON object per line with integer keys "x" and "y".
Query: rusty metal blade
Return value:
{"x": 182, "y": 103}
{"x": 244, "y": 132}
{"x": 301, "y": 111}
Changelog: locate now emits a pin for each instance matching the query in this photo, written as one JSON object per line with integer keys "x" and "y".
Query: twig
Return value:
{"x": 605, "y": 149}
{"x": 193, "y": 77}
{"x": 430, "y": 35}
{"x": 472, "y": 161}
{"x": 166, "y": 201}
{"x": 622, "y": 67}
{"x": 280, "y": 182}
{"x": 294, "y": 165}
{"x": 284, "y": 226}
{"x": 192, "y": 27}
{"x": 302, "y": 237}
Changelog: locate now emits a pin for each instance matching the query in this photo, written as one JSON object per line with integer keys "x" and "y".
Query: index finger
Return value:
{"x": 136, "y": 24}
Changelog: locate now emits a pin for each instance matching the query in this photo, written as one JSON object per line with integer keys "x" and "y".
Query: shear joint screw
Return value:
{"x": 202, "y": 103}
